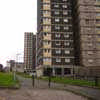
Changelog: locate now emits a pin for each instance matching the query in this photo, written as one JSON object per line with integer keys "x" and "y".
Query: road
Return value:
{"x": 39, "y": 92}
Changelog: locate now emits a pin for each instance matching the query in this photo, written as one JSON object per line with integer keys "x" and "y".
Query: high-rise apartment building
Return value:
{"x": 55, "y": 38}
{"x": 29, "y": 52}
{"x": 86, "y": 15}
{"x": 69, "y": 36}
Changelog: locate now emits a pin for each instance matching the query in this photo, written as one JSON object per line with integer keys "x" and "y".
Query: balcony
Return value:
{"x": 47, "y": 46}
{"x": 46, "y": 1}
{"x": 45, "y": 54}
{"x": 47, "y": 37}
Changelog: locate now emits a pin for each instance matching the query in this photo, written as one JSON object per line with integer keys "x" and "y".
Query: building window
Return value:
{"x": 47, "y": 50}
{"x": 58, "y": 51}
{"x": 56, "y": 12}
{"x": 67, "y": 52}
{"x": 57, "y": 27}
{"x": 64, "y": 6}
{"x": 97, "y": 0}
{"x": 97, "y": 14}
{"x": 65, "y": 12}
{"x": 57, "y": 43}
{"x": 90, "y": 52}
{"x": 65, "y": 20}
{"x": 58, "y": 60}
{"x": 89, "y": 44}
{"x": 47, "y": 59}
{"x": 67, "y": 60}
{"x": 46, "y": 42}
{"x": 57, "y": 35}
{"x": 66, "y": 35}
{"x": 46, "y": 6}
{"x": 66, "y": 43}
{"x": 57, "y": 19}
{"x": 90, "y": 60}
{"x": 46, "y": 19}
{"x": 66, "y": 27}
{"x": 87, "y": 21}
{"x": 56, "y": 6}
{"x": 46, "y": 12}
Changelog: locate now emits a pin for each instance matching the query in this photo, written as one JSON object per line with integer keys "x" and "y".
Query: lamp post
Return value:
{"x": 16, "y": 66}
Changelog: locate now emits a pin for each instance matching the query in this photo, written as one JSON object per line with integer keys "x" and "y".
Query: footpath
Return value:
{"x": 91, "y": 93}
{"x": 40, "y": 91}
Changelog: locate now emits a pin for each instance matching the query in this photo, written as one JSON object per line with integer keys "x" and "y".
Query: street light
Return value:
{"x": 15, "y": 66}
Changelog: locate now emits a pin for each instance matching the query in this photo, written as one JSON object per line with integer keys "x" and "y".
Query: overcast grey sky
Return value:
{"x": 16, "y": 17}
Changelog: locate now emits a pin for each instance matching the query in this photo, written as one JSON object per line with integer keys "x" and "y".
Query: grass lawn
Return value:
{"x": 6, "y": 80}
{"x": 24, "y": 75}
{"x": 67, "y": 80}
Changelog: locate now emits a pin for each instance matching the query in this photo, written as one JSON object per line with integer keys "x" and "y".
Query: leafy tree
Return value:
{"x": 1, "y": 67}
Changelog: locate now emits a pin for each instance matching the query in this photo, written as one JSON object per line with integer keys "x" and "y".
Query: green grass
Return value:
{"x": 6, "y": 80}
{"x": 24, "y": 75}
{"x": 71, "y": 81}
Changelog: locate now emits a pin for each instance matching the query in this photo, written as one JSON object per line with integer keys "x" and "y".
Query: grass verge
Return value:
{"x": 71, "y": 81}
{"x": 24, "y": 75}
{"x": 7, "y": 81}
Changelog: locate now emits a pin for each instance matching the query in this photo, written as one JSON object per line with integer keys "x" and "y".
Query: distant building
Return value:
{"x": 14, "y": 66}
{"x": 6, "y": 69}
{"x": 19, "y": 67}
{"x": 29, "y": 52}
{"x": 11, "y": 64}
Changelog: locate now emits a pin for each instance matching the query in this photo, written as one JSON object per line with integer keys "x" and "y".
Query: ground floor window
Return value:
{"x": 67, "y": 71}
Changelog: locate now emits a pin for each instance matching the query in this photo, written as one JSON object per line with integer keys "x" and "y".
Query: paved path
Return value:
{"x": 86, "y": 91}
{"x": 39, "y": 92}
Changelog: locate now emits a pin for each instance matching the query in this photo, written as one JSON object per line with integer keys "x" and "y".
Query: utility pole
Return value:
{"x": 15, "y": 66}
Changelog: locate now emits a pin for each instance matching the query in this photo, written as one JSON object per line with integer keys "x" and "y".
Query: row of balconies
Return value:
{"x": 55, "y": 1}
{"x": 86, "y": 2}
{"x": 59, "y": 54}
{"x": 91, "y": 54}
{"x": 59, "y": 13}
{"x": 90, "y": 62}
{"x": 90, "y": 45}
{"x": 53, "y": 61}
{"x": 90, "y": 38}
{"x": 84, "y": 8}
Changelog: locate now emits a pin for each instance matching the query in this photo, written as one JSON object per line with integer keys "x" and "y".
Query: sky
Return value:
{"x": 16, "y": 17}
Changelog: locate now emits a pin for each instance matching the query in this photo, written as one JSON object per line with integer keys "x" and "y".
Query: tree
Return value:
{"x": 1, "y": 67}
